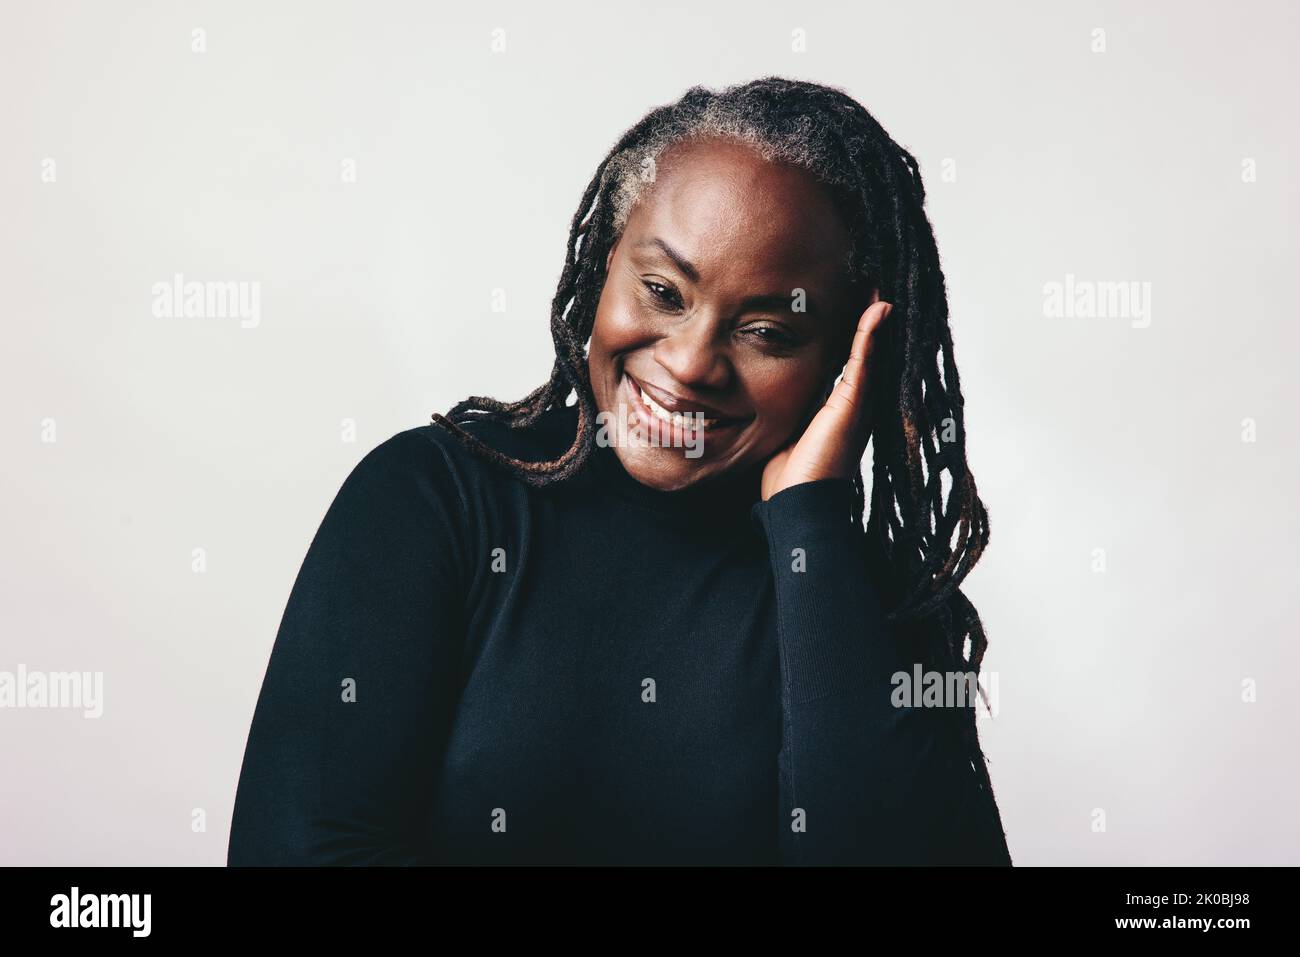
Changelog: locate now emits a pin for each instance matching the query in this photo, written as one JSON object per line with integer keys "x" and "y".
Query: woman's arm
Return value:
{"x": 356, "y": 704}
{"x": 868, "y": 783}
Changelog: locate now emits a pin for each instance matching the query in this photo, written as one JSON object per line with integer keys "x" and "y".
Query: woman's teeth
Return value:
{"x": 685, "y": 421}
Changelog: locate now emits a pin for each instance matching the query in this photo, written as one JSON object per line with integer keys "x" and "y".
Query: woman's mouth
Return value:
{"x": 680, "y": 424}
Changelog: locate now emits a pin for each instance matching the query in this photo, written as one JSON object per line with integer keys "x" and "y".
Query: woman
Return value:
{"x": 649, "y": 626}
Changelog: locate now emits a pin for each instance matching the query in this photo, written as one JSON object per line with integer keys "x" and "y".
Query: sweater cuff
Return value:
{"x": 807, "y": 510}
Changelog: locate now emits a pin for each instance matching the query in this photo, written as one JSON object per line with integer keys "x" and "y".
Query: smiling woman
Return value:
{"x": 480, "y": 586}
{"x": 699, "y": 301}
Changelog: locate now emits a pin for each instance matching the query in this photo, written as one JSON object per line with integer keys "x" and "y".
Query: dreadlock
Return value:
{"x": 921, "y": 540}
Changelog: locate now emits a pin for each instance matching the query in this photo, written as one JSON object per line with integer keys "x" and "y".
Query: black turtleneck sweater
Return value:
{"x": 470, "y": 670}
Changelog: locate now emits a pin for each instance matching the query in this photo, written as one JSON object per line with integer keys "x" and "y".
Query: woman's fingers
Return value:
{"x": 849, "y": 397}
{"x": 832, "y": 444}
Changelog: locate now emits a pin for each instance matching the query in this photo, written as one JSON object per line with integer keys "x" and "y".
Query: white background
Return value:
{"x": 1119, "y": 691}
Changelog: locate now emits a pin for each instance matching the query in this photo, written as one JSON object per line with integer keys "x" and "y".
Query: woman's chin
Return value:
{"x": 661, "y": 468}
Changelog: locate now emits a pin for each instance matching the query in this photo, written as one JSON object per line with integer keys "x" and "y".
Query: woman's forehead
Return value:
{"x": 732, "y": 208}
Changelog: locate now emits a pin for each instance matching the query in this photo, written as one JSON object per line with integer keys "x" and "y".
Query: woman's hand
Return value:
{"x": 833, "y": 444}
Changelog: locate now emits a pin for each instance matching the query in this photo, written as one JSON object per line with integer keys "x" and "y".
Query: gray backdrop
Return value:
{"x": 1114, "y": 193}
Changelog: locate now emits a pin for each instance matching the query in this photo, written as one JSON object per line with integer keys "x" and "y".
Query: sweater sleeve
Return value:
{"x": 355, "y": 706}
{"x": 861, "y": 781}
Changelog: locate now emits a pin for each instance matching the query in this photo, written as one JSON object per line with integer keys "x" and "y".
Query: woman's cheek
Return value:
{"x": 785, "y": 402}
{"x": 618, "y": 322}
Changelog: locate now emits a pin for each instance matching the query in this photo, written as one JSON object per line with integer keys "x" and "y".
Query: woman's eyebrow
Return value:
{"x": 680, "y": 261}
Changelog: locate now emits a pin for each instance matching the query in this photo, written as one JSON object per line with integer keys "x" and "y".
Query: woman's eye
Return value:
{"x": 662, "y": 294}
{"x": 771, "y": 335}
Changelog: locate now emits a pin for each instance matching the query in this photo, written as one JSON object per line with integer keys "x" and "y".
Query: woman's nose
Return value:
{"x": 691, "y": 355}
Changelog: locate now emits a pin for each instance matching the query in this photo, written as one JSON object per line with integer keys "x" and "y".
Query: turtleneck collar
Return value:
{"x": 725, "y": 498}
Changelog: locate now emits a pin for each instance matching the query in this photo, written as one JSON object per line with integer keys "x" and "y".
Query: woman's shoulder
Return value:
{"x": 423, "y": 485}
{"x": 547, "y": 437}
{"x": 432, "y": 454}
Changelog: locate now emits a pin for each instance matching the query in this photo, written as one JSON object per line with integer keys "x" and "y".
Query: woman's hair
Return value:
{"x": 922, "y": 539}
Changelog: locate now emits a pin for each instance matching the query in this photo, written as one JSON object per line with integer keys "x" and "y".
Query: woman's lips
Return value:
{"x": 668, "y": 402}
{"x": 675, "y": 433}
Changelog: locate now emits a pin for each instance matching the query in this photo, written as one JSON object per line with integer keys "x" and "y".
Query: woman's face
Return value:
{"x": 702, "y": 309}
